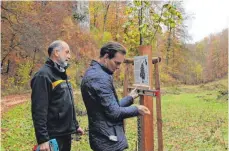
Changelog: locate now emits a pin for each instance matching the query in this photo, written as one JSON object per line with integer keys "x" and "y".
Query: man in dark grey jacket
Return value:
{"x": 105, "y": 111}
{"x": 53, "y": 109}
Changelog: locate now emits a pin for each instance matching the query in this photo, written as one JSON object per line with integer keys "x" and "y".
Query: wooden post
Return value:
{"x": 147, "y": 133}
{"x": 146, "y": 136}
{"x": 158, "y": 109}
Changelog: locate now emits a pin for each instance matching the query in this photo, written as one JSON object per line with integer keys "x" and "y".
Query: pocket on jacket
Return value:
{"x": 118, "y": 130}
{"x": 61, "y": 118}
{"x": 104, "y": 130}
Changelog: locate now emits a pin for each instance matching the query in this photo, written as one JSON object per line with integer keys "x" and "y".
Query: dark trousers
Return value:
{"x": 64, "y": 142}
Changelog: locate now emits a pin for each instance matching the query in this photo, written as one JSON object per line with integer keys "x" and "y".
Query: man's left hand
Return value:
{"x": 80, "y": 131}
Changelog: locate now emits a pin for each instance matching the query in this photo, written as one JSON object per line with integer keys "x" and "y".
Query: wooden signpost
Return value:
{"x": 146, "y": 92}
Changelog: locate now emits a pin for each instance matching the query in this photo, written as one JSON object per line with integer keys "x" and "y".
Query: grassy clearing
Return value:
{"x": 194, "y": 118}
{"x": 17, "y": 129}
{"x": 194, "y": 122}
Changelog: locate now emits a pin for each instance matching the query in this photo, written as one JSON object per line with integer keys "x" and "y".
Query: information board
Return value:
{"x": 141, "y": 70}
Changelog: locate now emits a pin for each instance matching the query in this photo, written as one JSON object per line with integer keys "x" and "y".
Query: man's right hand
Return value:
{"x": 134, "y": 93}
{"x": 44, "y": 146}
{"x": 143, "y": 110}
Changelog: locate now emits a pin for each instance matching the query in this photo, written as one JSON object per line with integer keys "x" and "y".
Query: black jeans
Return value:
{"x": 64, "y": 142}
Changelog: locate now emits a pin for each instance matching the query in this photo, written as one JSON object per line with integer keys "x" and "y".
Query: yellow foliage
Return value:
{"x": 68, "y": 22}
{"x": 23, "y": 73}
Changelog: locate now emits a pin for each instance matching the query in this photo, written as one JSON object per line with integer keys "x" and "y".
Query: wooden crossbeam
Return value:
{"x": 131, "y": 60}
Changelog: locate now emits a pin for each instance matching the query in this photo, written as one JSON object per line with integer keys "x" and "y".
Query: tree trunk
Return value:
{"x": 34, "y": 57}
{"x": 8, "y": 67}
{"x": 81, "y": 9}
{"x": 140, "y": 23}
{"x": 117, "y": 21}
{"x": 168, "y": 47}
{"x": 107, "y": 5}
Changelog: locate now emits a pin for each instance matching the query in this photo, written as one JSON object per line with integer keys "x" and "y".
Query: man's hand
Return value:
{"x": 143, "y": 110}
{"x": 44, "y": 146}
{"x": 134, "y": 93}
{"x": 80, "y": 131}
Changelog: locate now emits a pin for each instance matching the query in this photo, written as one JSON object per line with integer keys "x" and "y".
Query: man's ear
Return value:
{"x": 56, "y": 53}
{"x": 106, "y": 56}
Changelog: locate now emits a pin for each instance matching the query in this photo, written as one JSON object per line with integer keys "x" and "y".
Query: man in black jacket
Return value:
{"x": 105, "y": 112}
{"x": 53, "y": 109}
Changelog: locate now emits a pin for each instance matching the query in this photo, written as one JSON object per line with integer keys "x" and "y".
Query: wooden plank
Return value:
{"x": 158, "y": 109}
{"x": 141, "y": 86}
{"x": 131, "y": 60}
{"x": 147, "y": 143}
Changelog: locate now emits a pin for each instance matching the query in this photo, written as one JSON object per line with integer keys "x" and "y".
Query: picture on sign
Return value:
{"x": 141, "y": 70}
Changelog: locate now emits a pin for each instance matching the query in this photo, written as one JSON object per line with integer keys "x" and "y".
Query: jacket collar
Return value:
{"x": 96, "y": 63}
{"x": 55, "y": 65}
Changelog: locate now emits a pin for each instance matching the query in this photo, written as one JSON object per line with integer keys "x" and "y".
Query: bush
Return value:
{"x": 20, "y": 82}
{"x": 22, "y": 75}
{"x": 223, "y": 95}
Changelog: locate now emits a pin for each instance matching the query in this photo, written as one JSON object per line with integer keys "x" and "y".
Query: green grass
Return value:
{"x": 194, "y": 122}
{"x": 17, "y": 129}
{"x": 194, "y": 118}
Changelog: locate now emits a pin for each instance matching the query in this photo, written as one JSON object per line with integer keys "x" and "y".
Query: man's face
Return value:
{"x": 114, "y": 63}
{"x": 64, "y": 56}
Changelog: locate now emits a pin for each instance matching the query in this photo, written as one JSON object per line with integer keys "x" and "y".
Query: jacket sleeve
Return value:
{"x": 126, "y": 101}
{"x": 107, "y": 99}
{"x": 75, "y": 119}
{"x": 41, "y": 88}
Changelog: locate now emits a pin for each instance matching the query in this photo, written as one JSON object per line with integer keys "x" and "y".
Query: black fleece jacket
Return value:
{"x": 53, "y": 111}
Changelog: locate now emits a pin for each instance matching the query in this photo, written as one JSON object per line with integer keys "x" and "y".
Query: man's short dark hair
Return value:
{"x": 111, "y": 48}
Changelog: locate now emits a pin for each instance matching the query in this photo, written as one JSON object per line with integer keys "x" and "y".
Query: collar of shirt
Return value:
{"x": 94, "y": 63}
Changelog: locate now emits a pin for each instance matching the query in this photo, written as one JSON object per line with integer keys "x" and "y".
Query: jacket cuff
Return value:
{"x": 77, "y": 127}
{"x": 136, "y": 113}
{"x": 42, "y": 140}
{"x": 76, "y": 124}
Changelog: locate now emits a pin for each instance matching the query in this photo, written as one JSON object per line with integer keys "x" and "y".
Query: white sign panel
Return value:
{"x": 141, "y": 70}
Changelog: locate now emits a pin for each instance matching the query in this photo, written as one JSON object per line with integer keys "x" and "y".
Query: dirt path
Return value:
{"x": 12, "y": 100}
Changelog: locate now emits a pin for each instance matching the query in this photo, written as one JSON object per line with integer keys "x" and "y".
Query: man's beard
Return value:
{"x": 62, "y": 63}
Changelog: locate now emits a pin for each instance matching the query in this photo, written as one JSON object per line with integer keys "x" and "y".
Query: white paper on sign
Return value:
{"x": 141, "y": 70}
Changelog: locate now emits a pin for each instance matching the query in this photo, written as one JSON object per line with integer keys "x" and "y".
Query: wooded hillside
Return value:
{"x": 29, "y": 27}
